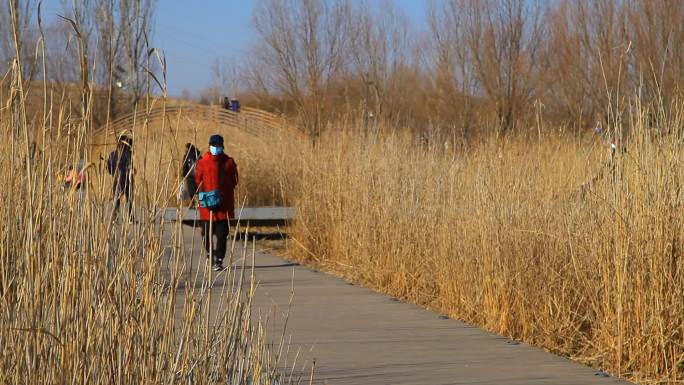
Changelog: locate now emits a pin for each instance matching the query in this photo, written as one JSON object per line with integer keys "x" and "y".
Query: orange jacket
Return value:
{"x": 217, "y": 172}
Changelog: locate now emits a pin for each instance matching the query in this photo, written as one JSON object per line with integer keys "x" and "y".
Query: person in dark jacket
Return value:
{"x": 217, "y": 172}
{"x": 119, "y": 165}
{"x": 192, "y": 155}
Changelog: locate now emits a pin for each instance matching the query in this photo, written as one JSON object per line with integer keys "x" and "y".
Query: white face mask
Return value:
{"x": 215, "y": 150}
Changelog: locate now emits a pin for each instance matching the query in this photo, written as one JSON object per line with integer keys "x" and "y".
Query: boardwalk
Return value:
{"x": 357, "y": 336}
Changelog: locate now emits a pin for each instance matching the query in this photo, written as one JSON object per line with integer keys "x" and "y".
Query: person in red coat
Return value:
{"x": 216, "y": 171}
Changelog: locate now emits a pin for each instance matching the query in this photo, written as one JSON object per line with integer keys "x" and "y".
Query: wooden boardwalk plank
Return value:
{"x": 361, "y": 337}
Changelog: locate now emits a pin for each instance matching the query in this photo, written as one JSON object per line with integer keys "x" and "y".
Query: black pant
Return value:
{"x": 123, "y": 190}
{"x": 219, "y": 229}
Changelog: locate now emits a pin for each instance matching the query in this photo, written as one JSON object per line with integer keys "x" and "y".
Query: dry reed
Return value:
{"x": 88, "y": 299}
{"x": 503, "y": 235}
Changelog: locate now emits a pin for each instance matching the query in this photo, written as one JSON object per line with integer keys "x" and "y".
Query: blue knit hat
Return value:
{"x": 216, "y": 140}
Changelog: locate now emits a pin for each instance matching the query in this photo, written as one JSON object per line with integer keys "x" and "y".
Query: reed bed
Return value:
{"x": 86, "y": 298}
{"x": 507, "y": 234}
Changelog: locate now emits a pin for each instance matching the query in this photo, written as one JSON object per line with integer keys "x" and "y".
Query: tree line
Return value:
{"x": 475, "y": 65}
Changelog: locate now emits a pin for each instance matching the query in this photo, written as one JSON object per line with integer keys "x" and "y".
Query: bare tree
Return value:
{"x": 488, "y": 49}
{"x": 81, "y": 19}
{"x": 224, "y": 82}
{"x": 303, "y": 49}
{"x": 109, "y": 47}
{"x": 503, "y": 39}
{"x": 225, "y": 77}
{"x": 588, "y": 53}
{"x": 24, "y": 12}
{"x": 379, "y": 48}
{"x": 452, "y": 74}
{"x": 656, "y": 31}
{"x": 135, "y": 27}
{"x": 109, "y": 38}
{"x": 567, "y": 97}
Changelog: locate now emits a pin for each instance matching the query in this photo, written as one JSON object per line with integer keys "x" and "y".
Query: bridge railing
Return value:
{"x": 251, "y": 120}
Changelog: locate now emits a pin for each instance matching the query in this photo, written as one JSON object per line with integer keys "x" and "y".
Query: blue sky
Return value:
{"x": 194, "y": 33}
{"x": 192, "y": 37}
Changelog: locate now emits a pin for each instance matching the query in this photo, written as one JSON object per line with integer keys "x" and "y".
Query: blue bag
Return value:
{"x": 210, "y": 200}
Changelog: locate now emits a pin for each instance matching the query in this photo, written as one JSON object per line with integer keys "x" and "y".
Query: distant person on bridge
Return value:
{"x": 216, "y": 176}
{"x": 234, "y": 105}
{"x": 230, "y": 104}
{"x": 119, "y": 165}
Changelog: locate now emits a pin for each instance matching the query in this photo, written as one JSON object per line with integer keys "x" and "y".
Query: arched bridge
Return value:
{"x": 160, "y": 134}
{"x": 252, "y": 121}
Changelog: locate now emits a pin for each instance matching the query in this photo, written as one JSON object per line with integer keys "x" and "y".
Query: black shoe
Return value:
{"x": 218, "y": 267}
